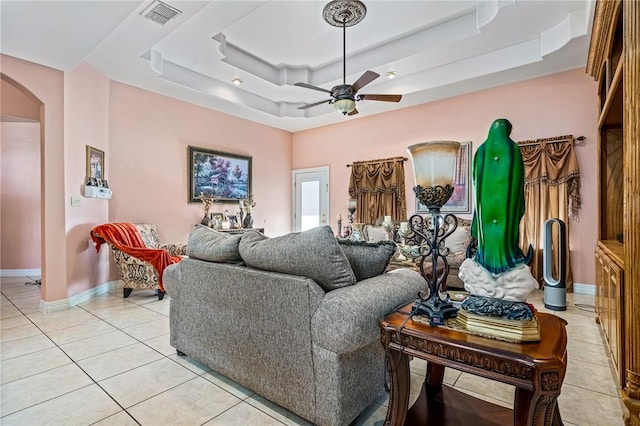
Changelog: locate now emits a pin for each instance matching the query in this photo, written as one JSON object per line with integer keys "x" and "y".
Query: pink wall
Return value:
{"x": 16, "y": 104}
{"x": 147, "y": 156}
{"x": 560, "y": 104}
{"x": 86, "y": 123}
{"x": 145, "y": 138}
{"x": 47, "y": 86}
{"x": 20, "y": 195}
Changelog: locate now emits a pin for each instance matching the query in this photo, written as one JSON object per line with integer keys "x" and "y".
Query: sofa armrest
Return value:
{"x": 175, "y": 249}
{"x": 172, "y": 277}
{"x": 347, "y": 318}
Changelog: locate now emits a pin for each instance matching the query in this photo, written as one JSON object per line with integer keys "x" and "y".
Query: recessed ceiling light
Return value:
{"x": 237, "y": 81}
{"x": 392, "y": 74}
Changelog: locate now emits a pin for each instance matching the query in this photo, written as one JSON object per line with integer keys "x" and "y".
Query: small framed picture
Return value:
{"x": 95, "y": 163}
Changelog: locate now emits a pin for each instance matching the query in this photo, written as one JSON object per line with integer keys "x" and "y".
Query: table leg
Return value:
{"x": 536, "y": 409}
{"x": 398, "y": 369}
{"x": 434, "y": 376}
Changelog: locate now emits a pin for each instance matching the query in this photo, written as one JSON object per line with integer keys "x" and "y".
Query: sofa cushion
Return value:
{"x": 208, "y": 244}
{"x": 368, "y": 259}
{"x": 313, "y": 254}
{"x": 459, "y": 239}
{"x": 375, "y": 233}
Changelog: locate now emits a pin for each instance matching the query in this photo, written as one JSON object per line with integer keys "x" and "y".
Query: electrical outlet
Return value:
{"x": 75, "y": 201}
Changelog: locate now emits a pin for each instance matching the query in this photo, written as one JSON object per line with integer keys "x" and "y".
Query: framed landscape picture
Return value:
{"x": 460, "y": 201}
{"x": 225, "y": 176}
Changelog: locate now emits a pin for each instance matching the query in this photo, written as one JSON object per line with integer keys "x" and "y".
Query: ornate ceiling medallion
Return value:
{"x": 344, "y": 12}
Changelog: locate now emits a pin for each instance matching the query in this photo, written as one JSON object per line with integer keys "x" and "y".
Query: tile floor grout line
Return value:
{"x": 42, "y": 402}
{"x": 589, "y": 390}
{"x": 77, "y": 365}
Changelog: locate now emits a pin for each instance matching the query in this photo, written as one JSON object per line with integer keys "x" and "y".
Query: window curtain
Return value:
{"x": 378, "y": 187}
{"x": 552, "y": 190}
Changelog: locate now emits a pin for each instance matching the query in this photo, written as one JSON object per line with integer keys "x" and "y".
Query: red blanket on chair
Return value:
{"x": 127, "y": 238}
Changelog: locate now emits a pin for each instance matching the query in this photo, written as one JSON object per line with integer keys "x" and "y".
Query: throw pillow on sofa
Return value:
{"x": 313, "y": 254}
{"x": 208, "y": 244}
{"x": 456, "y": 241}
{"x": 368, "y": 259}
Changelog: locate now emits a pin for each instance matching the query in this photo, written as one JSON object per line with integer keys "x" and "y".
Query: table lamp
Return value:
{"x": 434, "y": 165}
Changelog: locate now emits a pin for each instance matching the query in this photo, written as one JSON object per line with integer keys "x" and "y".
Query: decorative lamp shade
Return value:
{"x": 434, "y": 162}
{"x": 351, "y": 204}
{"x": 345, "y": 106}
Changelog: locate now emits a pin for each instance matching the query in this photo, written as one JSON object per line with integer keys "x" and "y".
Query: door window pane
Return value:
{"x": 310, "y": 204}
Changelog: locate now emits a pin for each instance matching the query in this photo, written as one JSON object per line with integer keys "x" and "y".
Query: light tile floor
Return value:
{"x": 108, "y": 362}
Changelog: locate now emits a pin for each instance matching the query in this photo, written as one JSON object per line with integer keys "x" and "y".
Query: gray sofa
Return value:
{"x": 299, "y": 342}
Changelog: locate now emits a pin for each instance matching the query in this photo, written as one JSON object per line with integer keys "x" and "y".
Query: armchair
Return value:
{"x": 138, "y": 274}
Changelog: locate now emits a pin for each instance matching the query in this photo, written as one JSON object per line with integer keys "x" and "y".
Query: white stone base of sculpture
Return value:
{"x": 514, "y": 285}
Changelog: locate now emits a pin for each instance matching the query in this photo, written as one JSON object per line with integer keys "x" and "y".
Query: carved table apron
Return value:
{"x": 536, "y": 369}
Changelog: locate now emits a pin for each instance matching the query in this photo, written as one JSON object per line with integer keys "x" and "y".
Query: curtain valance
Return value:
{"x": 378, "y": 186}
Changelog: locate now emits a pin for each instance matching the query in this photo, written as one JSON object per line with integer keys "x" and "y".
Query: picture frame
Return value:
{"x": 224, "y": 175}
{"x": 95, "y": 163}
{"x": 460, "y": 201}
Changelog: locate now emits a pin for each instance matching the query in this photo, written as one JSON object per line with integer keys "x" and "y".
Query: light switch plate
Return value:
{"x": 75, "y": 201}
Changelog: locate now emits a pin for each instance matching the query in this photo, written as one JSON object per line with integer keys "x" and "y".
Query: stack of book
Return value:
{"x": 500, "y": 328}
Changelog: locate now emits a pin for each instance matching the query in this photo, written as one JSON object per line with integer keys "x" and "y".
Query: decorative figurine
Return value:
{"x": 498, "y": 181}
{"x": 498, "y": 277}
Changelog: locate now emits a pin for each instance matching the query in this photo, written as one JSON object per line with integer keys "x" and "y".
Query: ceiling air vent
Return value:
{"x": 160, "y": 12}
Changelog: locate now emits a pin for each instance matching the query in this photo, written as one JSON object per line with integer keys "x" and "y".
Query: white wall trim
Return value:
{"x": 579, "y": 288}
{"x": 19, "y": 272}
{"x": 61, "y": 305}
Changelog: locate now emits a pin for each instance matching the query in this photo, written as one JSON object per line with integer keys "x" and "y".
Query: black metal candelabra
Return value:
{"x": 430, "y": 236}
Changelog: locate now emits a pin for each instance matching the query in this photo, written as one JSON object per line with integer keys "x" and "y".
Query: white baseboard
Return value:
{"x": 20, "y": 272}
{"x": 61, "y": 305}
{"x": 584, "y": 289}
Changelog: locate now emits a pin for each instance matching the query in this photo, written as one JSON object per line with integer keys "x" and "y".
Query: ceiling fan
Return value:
{"x": 346, "y": 13}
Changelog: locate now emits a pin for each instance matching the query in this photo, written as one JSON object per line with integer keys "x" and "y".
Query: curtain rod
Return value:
{"x": 378, "y": 161}
{"x": 552, "y": 140}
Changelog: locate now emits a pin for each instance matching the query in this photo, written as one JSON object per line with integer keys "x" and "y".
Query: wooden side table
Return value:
{"x": 536, "y": 369}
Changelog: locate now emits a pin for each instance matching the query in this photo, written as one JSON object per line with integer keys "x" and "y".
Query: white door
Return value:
{"x": 310, "y": 198}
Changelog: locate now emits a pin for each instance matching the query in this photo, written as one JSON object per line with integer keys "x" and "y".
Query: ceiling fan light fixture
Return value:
{"x": 345, "y": 106}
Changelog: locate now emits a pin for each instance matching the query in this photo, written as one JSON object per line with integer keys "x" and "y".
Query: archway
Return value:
{"x": 22, "y": 217}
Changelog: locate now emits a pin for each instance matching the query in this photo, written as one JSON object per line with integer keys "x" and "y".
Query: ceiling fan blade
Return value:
{"x": 354, "y": 112}
{"x": 308, "y": 86}
{"x": 364, "y": 79}
{"x": 386, "y": 98}
{"x": 314, "y": 104}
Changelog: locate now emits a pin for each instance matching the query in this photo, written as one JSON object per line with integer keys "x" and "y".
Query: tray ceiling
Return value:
{"x": 437, "y": 48}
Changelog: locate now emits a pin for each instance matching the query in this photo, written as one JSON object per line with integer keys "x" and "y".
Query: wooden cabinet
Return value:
{"x": 614, "y": 61}
{"x": 609, "y": 276}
